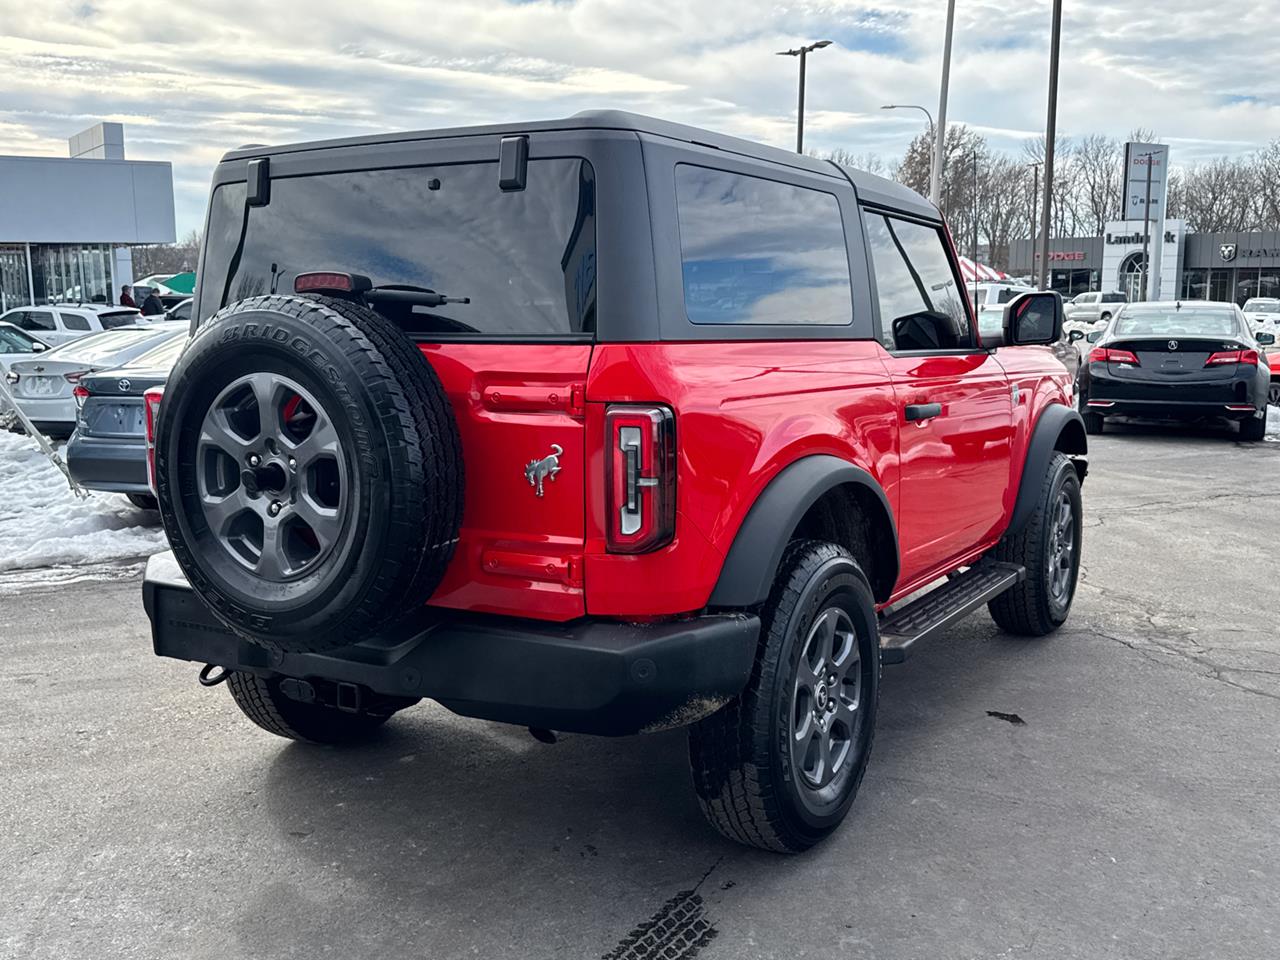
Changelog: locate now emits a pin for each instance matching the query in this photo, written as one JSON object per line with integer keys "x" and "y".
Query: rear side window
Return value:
{"x": 73, "y": 321}
{"x": 921, "y": 304}
{"x": 524, "y": 259}
{"x": 756, "y": 251}
{"x": 36, "y": 320}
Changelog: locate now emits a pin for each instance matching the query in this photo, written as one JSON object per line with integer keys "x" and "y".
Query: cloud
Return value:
{"x": 190, "y": 81}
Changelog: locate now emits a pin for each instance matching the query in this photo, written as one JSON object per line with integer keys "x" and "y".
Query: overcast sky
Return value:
{"x": 190, "y": 81}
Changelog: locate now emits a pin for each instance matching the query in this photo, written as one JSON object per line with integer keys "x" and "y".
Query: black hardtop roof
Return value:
{"x": 871, "y": 189}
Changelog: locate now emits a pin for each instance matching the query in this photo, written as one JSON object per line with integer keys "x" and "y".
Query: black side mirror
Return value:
{"x": 1266, "y": 339}
{"x": 1033, "y": 319}
{"x": 1075, "y": 335}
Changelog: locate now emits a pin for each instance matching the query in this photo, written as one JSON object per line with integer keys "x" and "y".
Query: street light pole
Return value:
{"x": 802, "y": 53}
{"x": 940, "y": 131}
{"x": 1051, "y": 127}
{"x": 935, "y": 185}
{"x": 1035, "y": 193}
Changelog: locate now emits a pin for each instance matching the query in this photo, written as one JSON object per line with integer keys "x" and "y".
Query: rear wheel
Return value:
{"x": 1253, "y": 429}
{"x": 143, "y": 501}
{"x": 1093, "y": 422}
{"x": 1048, "y": 547}
{"x": 779, "y": 766}
{"x": 1105, "y": 317}
{"x": 1273, "y": 393}
{"x": 263, "y": 702}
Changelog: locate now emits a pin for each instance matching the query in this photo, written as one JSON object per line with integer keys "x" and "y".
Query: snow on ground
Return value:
{"x": 44, "y": 524}
{"x": 1273, "y": 423}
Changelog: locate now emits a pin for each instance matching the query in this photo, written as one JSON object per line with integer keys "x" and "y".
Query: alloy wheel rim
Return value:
{"x": 271, "y": 477}
{"x": 826, "y": 700}
{"x": 1062, "y": 548}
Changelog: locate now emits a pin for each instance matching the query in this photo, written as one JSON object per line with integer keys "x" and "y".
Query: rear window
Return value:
{"x": 112, "y": 319}
{"x": 100, "y": 346}
{"x": 526, "y": 259}
{"x": 1187, "y": 322}
{"x": 758, "y": 251}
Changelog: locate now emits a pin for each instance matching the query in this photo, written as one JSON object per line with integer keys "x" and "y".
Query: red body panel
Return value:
{"x": 744, "y": 411}
{"x": 518, "y": 553}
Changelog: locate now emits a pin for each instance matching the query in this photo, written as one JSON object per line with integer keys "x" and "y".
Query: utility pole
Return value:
{"x": 1051, "y": 127}
{"x": 1035, "y": 193}
{"x": 803, "y": 54}
{"x": 1146, "y": 232}
{"x": 940, "y": 131}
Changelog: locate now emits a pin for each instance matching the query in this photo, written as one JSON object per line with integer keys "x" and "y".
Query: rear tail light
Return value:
{"x": 81, "y": 394}
{"x": 1247, "y": 357}
{"x": 11, "y": 377}
{"x": 151, "y": 404}
{"x": 329, "y": 281}
{"x": 1112, "y": 355}
{"x": 641, "y": 478}
{"x": 74, "y": 377}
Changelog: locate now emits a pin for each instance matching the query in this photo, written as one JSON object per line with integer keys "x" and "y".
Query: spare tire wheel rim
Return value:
{"x": 271, "y": 476}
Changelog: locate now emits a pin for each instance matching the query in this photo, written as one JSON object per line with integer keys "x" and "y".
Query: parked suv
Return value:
{"x": 62, "y": 322}
{"x": 603, "y": 425}
{"x": 1096, "y": 307}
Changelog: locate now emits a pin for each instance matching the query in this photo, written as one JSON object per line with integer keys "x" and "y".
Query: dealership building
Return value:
{"x": 67, "y": 223}
{"x": 1194, "y": 266}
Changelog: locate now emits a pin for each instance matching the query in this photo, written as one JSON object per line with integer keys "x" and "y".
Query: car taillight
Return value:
{"x": 1247, "y": 357}
{"x": 12, "y": 377}
{"x": 1112, "y": 355}
{"x": 81, "y": 394}
{"x": 74, "y": 377}
{"x": 641, "y": 477}
{"x": 151, "y": 404}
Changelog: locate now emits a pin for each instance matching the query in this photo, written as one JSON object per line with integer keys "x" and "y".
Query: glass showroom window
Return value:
{"x": 13, "y": 278}
{"x": 72, "y": 273}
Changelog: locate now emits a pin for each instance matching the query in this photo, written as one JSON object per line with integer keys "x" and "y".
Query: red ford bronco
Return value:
{"x": 603, "y": 425}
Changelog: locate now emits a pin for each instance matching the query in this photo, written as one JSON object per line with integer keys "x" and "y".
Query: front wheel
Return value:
{"x": 778, "y": 767}
{"x": 1049, "y": 548}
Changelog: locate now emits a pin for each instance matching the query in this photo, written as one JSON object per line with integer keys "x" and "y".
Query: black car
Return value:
{"x": 1180, "y": 360}
{"x": 108, "y": 450}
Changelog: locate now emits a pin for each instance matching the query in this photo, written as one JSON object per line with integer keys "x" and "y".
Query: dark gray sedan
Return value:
{"x": 108, "y": 451}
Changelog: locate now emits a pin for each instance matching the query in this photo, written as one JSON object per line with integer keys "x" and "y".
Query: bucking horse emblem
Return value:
{"x": 545, "y": 469}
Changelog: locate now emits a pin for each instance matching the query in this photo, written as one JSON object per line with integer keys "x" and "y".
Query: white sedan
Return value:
{"x": 1263, "y": 314}
{"x": 17, "y": 344}
{"x": 44, "y": 388}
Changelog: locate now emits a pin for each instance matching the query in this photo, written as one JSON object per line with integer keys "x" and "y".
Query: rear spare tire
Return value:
{"x": 308, "y": 471}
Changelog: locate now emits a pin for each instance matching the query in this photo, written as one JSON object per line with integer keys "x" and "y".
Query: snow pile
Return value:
{"x": 43, "y": 524}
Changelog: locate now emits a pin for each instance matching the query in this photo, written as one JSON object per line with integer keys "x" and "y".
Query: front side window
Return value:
{"x": 73, "y": 321}
{"x": 921, "y": 304}
{"x": 523, "y": 260}
{"x": 757, "y": 251}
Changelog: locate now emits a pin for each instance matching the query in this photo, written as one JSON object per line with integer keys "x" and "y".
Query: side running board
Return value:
{"x": 944, "y": 606}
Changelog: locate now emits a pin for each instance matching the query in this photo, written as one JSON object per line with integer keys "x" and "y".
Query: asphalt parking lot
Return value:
{"x": 1131, "y": 813}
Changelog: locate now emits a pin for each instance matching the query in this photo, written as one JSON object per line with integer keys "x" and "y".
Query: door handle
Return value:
{"x": 917, "y": 412}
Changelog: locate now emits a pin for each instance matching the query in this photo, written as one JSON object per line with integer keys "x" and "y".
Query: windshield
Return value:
{"x": 1262, "y": 305}
{"x": 526, "y": 259}
{"x": 1171, "y": 321}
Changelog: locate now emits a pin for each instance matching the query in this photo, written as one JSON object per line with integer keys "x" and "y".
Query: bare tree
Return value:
{"x": 170, "y": 258}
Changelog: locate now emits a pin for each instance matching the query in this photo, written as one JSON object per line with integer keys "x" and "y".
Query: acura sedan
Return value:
{"x": 1184, "y": 360}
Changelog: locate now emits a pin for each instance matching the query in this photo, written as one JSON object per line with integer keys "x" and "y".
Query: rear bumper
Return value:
{"x": 56, "y": 413}
{"x": 589, "y": 676}
{"x": 1171, "y": 409}
{"x": 117, "y": 466}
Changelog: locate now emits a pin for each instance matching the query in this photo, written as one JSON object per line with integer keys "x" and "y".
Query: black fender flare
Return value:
{"x": 752, "y": 561}
{"x": 1059, "y": 428}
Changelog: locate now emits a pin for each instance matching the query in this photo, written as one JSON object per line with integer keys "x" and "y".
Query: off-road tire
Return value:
{"x": 1029, "y": 609}
{"x": 143, "y": 501}
{"x": 1093, "y": 422}
{"x": 401, "y": 450}
{"x": 262, "y": 702}
{"x": 1253, "y": 429}
{"x": 743, "y": 774}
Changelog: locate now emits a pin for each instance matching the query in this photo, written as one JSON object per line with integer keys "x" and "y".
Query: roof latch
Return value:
{"x": 513, "y": 162}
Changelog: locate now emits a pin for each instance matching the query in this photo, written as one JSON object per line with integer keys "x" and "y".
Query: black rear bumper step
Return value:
{"x": 944, "y": 606}
{"x": 588, "y": 676}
